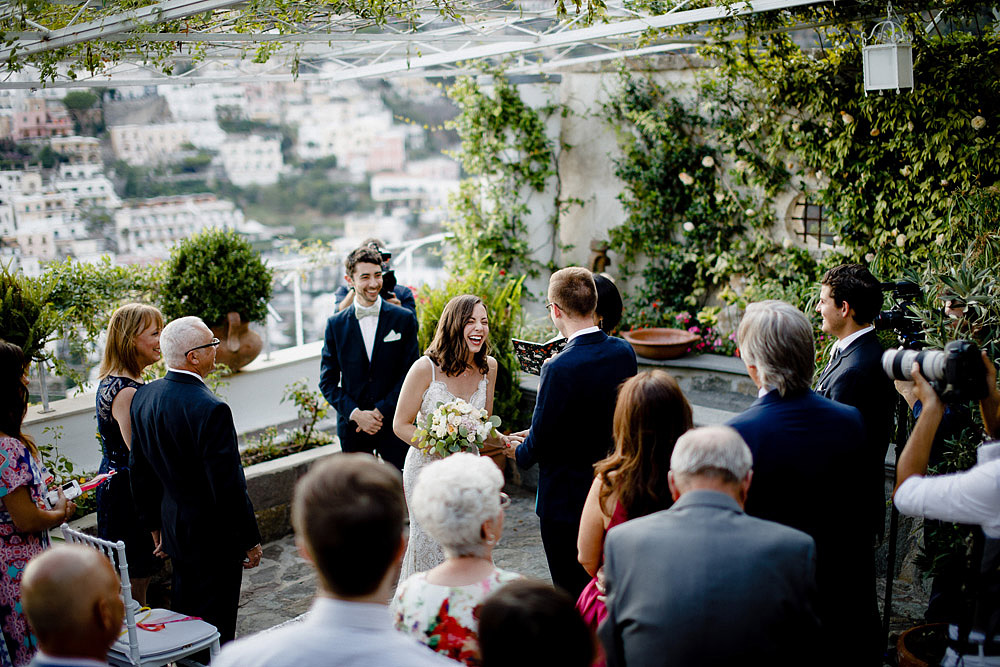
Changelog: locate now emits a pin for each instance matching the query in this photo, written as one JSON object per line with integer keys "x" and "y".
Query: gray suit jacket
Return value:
{"x": 702, "y": 583}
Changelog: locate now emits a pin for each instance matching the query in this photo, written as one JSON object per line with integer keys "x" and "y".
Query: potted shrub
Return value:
{"x": 219, "y": 277}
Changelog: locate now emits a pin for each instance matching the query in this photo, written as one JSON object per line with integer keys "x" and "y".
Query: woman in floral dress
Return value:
{"x": 24, "y": 517}
{"x": 458, "y": 502}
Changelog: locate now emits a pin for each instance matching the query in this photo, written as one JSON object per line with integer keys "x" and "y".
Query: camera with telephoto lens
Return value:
{"x": 388, "y": 275}
{"x": 956, "y": 373}
{"x": 901, "y": 318}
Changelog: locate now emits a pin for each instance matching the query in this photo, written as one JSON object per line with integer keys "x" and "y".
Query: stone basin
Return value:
{"x": 660, "y": 343}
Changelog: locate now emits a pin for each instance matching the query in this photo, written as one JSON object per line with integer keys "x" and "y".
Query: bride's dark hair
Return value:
{"x": 448, "y": 349}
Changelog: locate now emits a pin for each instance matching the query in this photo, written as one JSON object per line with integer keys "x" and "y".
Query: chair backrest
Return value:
{"x": 115, "y": 551}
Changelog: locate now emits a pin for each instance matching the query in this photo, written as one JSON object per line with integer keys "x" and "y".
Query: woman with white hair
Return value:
{"x": 459, "y": 503}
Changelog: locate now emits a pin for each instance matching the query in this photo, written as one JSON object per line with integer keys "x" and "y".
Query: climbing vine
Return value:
{"x": 892, "y": 171}
{"x": 509, "y": 159}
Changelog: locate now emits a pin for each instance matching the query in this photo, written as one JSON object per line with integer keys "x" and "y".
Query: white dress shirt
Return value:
{"x": 583, "y": 332}
{"x": 368, "y": 326}
{"x": 191, "y": 373}
{"x": 334, "y": 633}
{"x": 972, "y": 496}
{"x": 846, "y": 342}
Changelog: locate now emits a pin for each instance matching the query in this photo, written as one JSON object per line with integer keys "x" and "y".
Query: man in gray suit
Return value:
{"x": 702, "y": 583}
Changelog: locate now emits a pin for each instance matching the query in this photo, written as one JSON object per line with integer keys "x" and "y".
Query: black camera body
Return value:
{"x": 956, "y": 373}
{"x": 900, "y": 319}
{"x": 388, "y": 275}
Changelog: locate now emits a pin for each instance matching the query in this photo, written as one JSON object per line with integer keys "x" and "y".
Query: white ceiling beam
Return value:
{"x": 620, "y": 29}
{"x": 111, "y": 25}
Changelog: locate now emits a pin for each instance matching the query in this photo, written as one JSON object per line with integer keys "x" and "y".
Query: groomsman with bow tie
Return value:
{"x": 369, "y": 348}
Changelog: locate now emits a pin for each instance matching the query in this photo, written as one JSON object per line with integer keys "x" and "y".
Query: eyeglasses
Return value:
{"x": 552, "y": 303}
{"x": 211, "y": 343}
{"x": 504, "y": 500}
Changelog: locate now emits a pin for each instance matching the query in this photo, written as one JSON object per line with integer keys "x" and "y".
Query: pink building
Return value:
{"x": 37, "y": 118}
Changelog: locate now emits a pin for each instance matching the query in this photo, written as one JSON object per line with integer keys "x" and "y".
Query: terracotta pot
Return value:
{"x": 240, "y": 344}
{"x": 918, "y": 646}
{"x": 660, "y": 343}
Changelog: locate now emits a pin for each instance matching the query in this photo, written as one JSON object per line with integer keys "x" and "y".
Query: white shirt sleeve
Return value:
{"x": 972, "y": 496}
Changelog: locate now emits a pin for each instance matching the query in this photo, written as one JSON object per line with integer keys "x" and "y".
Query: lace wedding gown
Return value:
{"x": 422, "y": 552}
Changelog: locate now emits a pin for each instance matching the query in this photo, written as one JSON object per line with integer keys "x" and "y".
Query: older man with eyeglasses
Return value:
{"x": 188, "y": 482}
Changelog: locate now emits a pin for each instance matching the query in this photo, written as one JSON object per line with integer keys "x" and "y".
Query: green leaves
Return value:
{"x": 212, "y": 274}
{"x": 505, "y": 149}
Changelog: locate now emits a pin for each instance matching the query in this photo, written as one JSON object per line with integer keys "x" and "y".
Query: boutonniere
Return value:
{"x": 392, "y": 337}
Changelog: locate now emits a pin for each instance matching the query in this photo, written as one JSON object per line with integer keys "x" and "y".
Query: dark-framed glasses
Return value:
{"x": 504, "y": 500}
{"x": 551, "y": 304}
{"x": 211, "y": 343}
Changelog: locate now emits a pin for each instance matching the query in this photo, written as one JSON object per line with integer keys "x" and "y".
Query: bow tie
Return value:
{"x": 361, "y": 312}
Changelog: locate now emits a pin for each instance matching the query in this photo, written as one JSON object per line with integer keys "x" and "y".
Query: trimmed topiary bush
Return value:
{"x": 215, "y": 273}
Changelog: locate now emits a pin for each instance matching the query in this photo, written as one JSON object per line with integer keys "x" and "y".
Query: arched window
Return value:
{"x": 808, "y": 223}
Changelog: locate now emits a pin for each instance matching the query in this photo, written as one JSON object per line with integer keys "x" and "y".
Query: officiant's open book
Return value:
{"x": 531, "y": 355}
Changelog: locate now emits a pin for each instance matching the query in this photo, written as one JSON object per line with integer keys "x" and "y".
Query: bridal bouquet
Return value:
{"x": 454, "y": 426}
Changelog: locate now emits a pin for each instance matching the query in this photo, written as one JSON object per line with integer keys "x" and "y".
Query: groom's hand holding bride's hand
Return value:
{"x": 369, "y": 421}
{"x": 512, "y": 441}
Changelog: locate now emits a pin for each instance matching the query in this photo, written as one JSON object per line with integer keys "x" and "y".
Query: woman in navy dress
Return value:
{"x": 133, "y": 344}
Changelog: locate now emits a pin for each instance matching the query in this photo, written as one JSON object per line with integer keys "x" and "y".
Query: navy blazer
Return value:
{"x": 571, "y": 427}
{"x": 806, "y": 453}
{"x": 349, "y": 380}
{"x": 702, "y": 583}
{"x": 856, "y": 378}
{"x": 187, "y": 478}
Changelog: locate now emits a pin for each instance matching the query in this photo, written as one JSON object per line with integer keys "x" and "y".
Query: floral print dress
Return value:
{"x": 445, "y": 618}
{"x": 17, "y": 468}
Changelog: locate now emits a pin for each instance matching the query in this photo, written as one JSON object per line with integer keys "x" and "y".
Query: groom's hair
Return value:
{"x": 349, "y": 512}
{"x": 365, "y": 254}
{"x": 573, "y": 290}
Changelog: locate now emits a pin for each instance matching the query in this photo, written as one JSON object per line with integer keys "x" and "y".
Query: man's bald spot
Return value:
{"x": 61, "y": 586}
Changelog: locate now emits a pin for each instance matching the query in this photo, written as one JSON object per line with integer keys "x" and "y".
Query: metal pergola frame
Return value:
{"x": 429, "y": 43}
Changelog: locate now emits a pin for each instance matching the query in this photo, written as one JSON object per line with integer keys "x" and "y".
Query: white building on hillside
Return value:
{"x": 149, "y": 228}
{"x": 252, "y": 160}
{"x": 88, "y": 184}
{"x": 155, "y": 144}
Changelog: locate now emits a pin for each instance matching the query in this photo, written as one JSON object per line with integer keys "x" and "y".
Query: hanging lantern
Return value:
{"x": 888, "y": 56}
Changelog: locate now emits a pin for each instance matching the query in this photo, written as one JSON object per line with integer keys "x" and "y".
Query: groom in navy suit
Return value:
{"x": 369, "y": 348}
{"x": 571, "y": 426}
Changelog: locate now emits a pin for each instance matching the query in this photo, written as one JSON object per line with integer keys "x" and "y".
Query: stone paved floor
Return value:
{"x": 282, "y": 587}
{"x": 284, "y": 584}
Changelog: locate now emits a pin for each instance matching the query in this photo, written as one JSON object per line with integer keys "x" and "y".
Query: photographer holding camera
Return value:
{"x": 972, "y": 496}
{"x": 393, "y": 292}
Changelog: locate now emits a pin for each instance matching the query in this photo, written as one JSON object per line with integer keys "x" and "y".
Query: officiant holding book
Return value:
{"x": 571, "y": 427}
{"x": 368, "y": 348}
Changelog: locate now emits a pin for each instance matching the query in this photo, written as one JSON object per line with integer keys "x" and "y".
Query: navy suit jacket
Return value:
{"x": 702, "y": 583}
{"x": 348, "y": 380}
{"x": 806, "y": 453}
{"x": 571, "y": 427}
{"x": 856, "y": 378}
{"x": 186, "y": 473}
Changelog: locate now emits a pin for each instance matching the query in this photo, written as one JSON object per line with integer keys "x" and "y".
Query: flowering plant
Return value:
{"x": 454, "y": 426}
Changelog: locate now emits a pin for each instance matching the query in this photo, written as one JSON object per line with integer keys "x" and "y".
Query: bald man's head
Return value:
{"x": 71, "y": 597}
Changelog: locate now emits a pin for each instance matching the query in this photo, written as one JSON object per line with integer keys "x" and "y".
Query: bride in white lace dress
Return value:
{"x": 456, "y": 365}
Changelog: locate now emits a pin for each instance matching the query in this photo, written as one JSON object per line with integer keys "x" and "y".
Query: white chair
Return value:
{"x": 137, "y": 646}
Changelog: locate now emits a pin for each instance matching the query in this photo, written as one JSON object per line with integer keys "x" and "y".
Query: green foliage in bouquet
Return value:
{"x": 502, "y": 295}
{"x": 455, "y": 426}
{"x": 215, "y": 273}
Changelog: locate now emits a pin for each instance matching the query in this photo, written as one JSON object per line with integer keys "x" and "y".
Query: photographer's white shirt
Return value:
{"x": 972, "y": 496}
